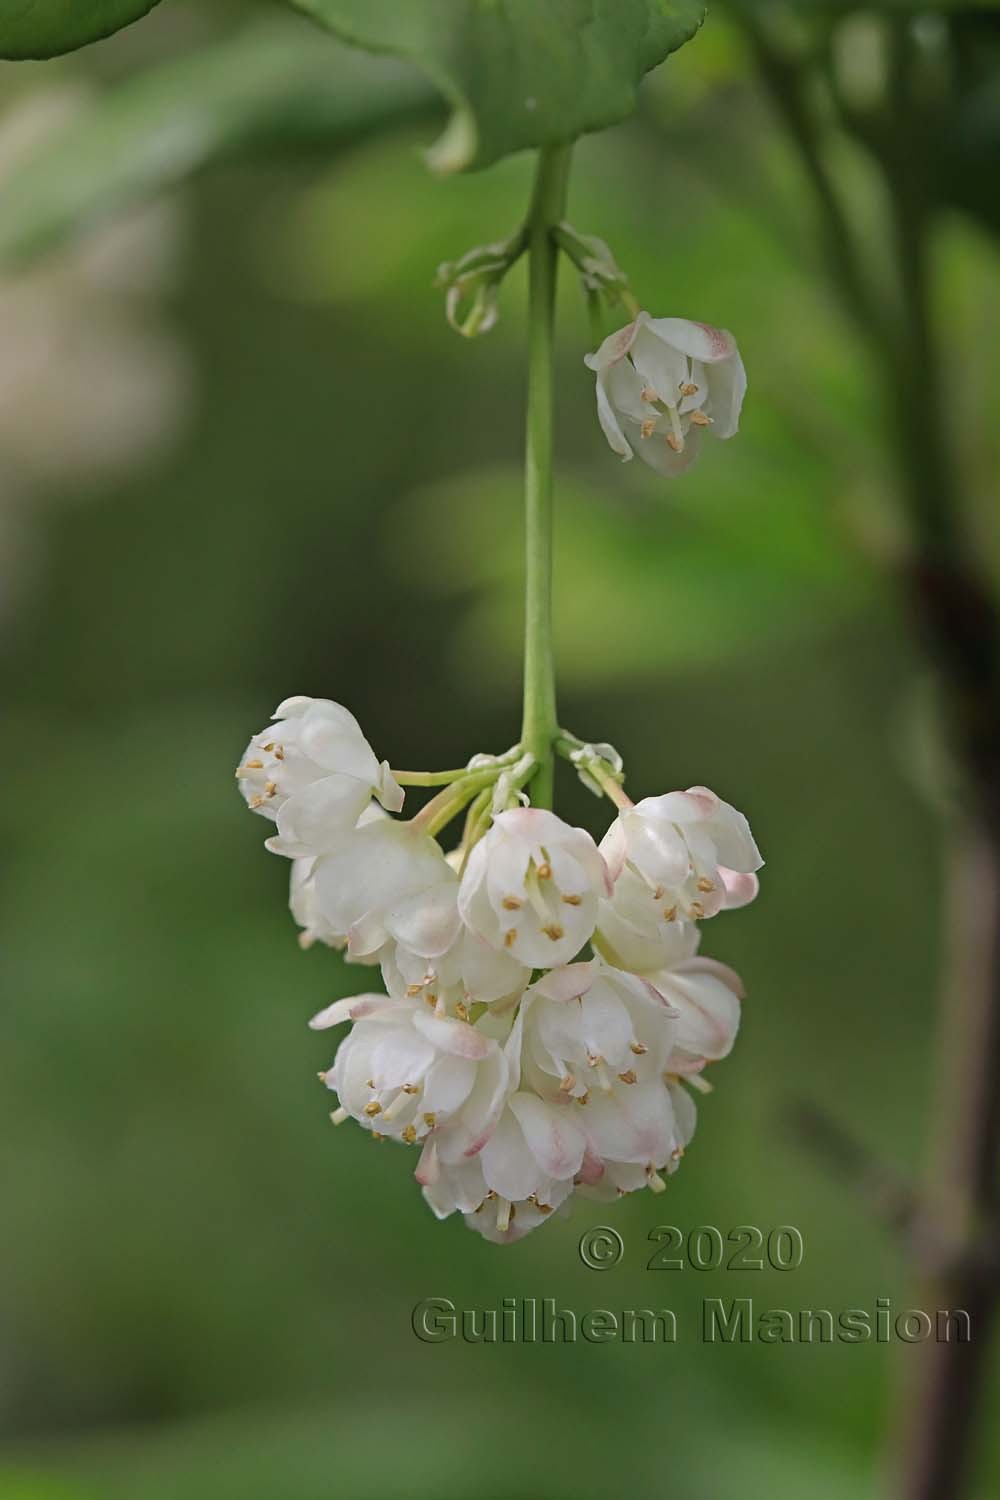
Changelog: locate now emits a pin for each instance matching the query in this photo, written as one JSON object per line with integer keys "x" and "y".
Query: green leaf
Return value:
{"x": 519, "y": 73}
{"x": 44, "y": 28}
{"x": 272, "y": 86}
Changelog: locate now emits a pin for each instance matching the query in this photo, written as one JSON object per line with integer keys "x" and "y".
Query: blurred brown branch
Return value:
{"x": 950, "y": 1224}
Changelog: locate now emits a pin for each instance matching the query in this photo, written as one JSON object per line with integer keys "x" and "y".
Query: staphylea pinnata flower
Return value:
{"x": 693, "y": 853}
{"x": 406, "y": 1072}
{"x": 604, "y": 1039}
{"x": 532, "y": 885}
{"x": 313, "y": 772}
{"x": 661, "y": 382}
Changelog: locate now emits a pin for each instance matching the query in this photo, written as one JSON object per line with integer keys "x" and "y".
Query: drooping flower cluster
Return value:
{"x": 546, "y": 1011}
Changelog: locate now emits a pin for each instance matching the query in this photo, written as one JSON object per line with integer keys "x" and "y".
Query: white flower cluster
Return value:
{"x": 522, "y": 1071}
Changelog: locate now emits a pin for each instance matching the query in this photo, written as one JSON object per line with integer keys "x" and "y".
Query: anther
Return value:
{"x": 566, "y": 1084}
{"x": 674, "y": 442}
{"x": 511, "y": 903}
{"x": 510, "y": 937}
{"x": 462, "y": 1010}
{"x": 687, "y": 389}
{"x": 696, "y": 909}
{"x": 669, "y": 913}
{"x": 700, "y": 419}
{"x": 573, "y": 900}
{"x": 704, "y": 884}
{"x": 639, "y": 1048}
{"x": 553, "y": 931}
{"x": 253, "y": 765}
{"x": 408, "y": 1134}
{"x": 628, "y": 1076}
{"x": 648, "y": 427}
{"x": 256, "y": 802}
{"x": 648, "y": 394}
{"x": 373, "y": 1108}
{"x": 430, "y": 1119}
{"x": 545, "y": 870}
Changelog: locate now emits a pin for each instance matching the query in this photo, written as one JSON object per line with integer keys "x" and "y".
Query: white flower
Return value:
{"x": 303, "y": 901}
{"x": 405, "y": 1072}
{"x": 313, "y": 772}
{"x": 531, "y": 886}
{"x": 689, "y": 855}
{"x": 526, "y": 1169}
{"x": 706, "y": 997}
{"x": 433, "y": 955}
{"x": 604, "y": 1039}
{"x": 650, "y": 942}
{"x": 660, "y": 381}
{"x": 380, "y": 879}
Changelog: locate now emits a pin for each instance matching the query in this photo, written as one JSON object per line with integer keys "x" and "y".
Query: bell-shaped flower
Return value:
{"x": 603, "y": 1038}
{"x": 433, "y": 955}
{"x": 403, "y": 1071}
{"x": 638, "y": 935}
{"x": 620, "y": 1177}
{"x": 706, "y": 997}
{"x": 532, "y": 885}
{"x": 313, "y": 772}
{"x": 376, "y": 877}
{"x": 463, "y": 1189}
{"x": 661, "y": 382}
{"x": 526, "y": 1169}
{"x": 690, "y": 854}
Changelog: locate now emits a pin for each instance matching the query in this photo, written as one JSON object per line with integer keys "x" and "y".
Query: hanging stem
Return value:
{"x": 540, "y": 725}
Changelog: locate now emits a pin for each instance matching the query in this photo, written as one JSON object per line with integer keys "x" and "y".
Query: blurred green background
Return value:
{"x": 243, "y": 456}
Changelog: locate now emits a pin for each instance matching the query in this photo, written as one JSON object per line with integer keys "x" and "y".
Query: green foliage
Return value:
{"x": 519, "y": 73}
{"x": 45, "y": 28}
{"x": 273, "y": 86}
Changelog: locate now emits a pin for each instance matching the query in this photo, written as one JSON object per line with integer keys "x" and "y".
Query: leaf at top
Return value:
{"x": 519, "y": 73}
{"x": 44, "y": 28}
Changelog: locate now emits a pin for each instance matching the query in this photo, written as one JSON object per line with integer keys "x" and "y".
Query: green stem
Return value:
{"x": 440, "y": 810}
{"x": 540, "y": 724}
{"x": 429, "y": 778}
